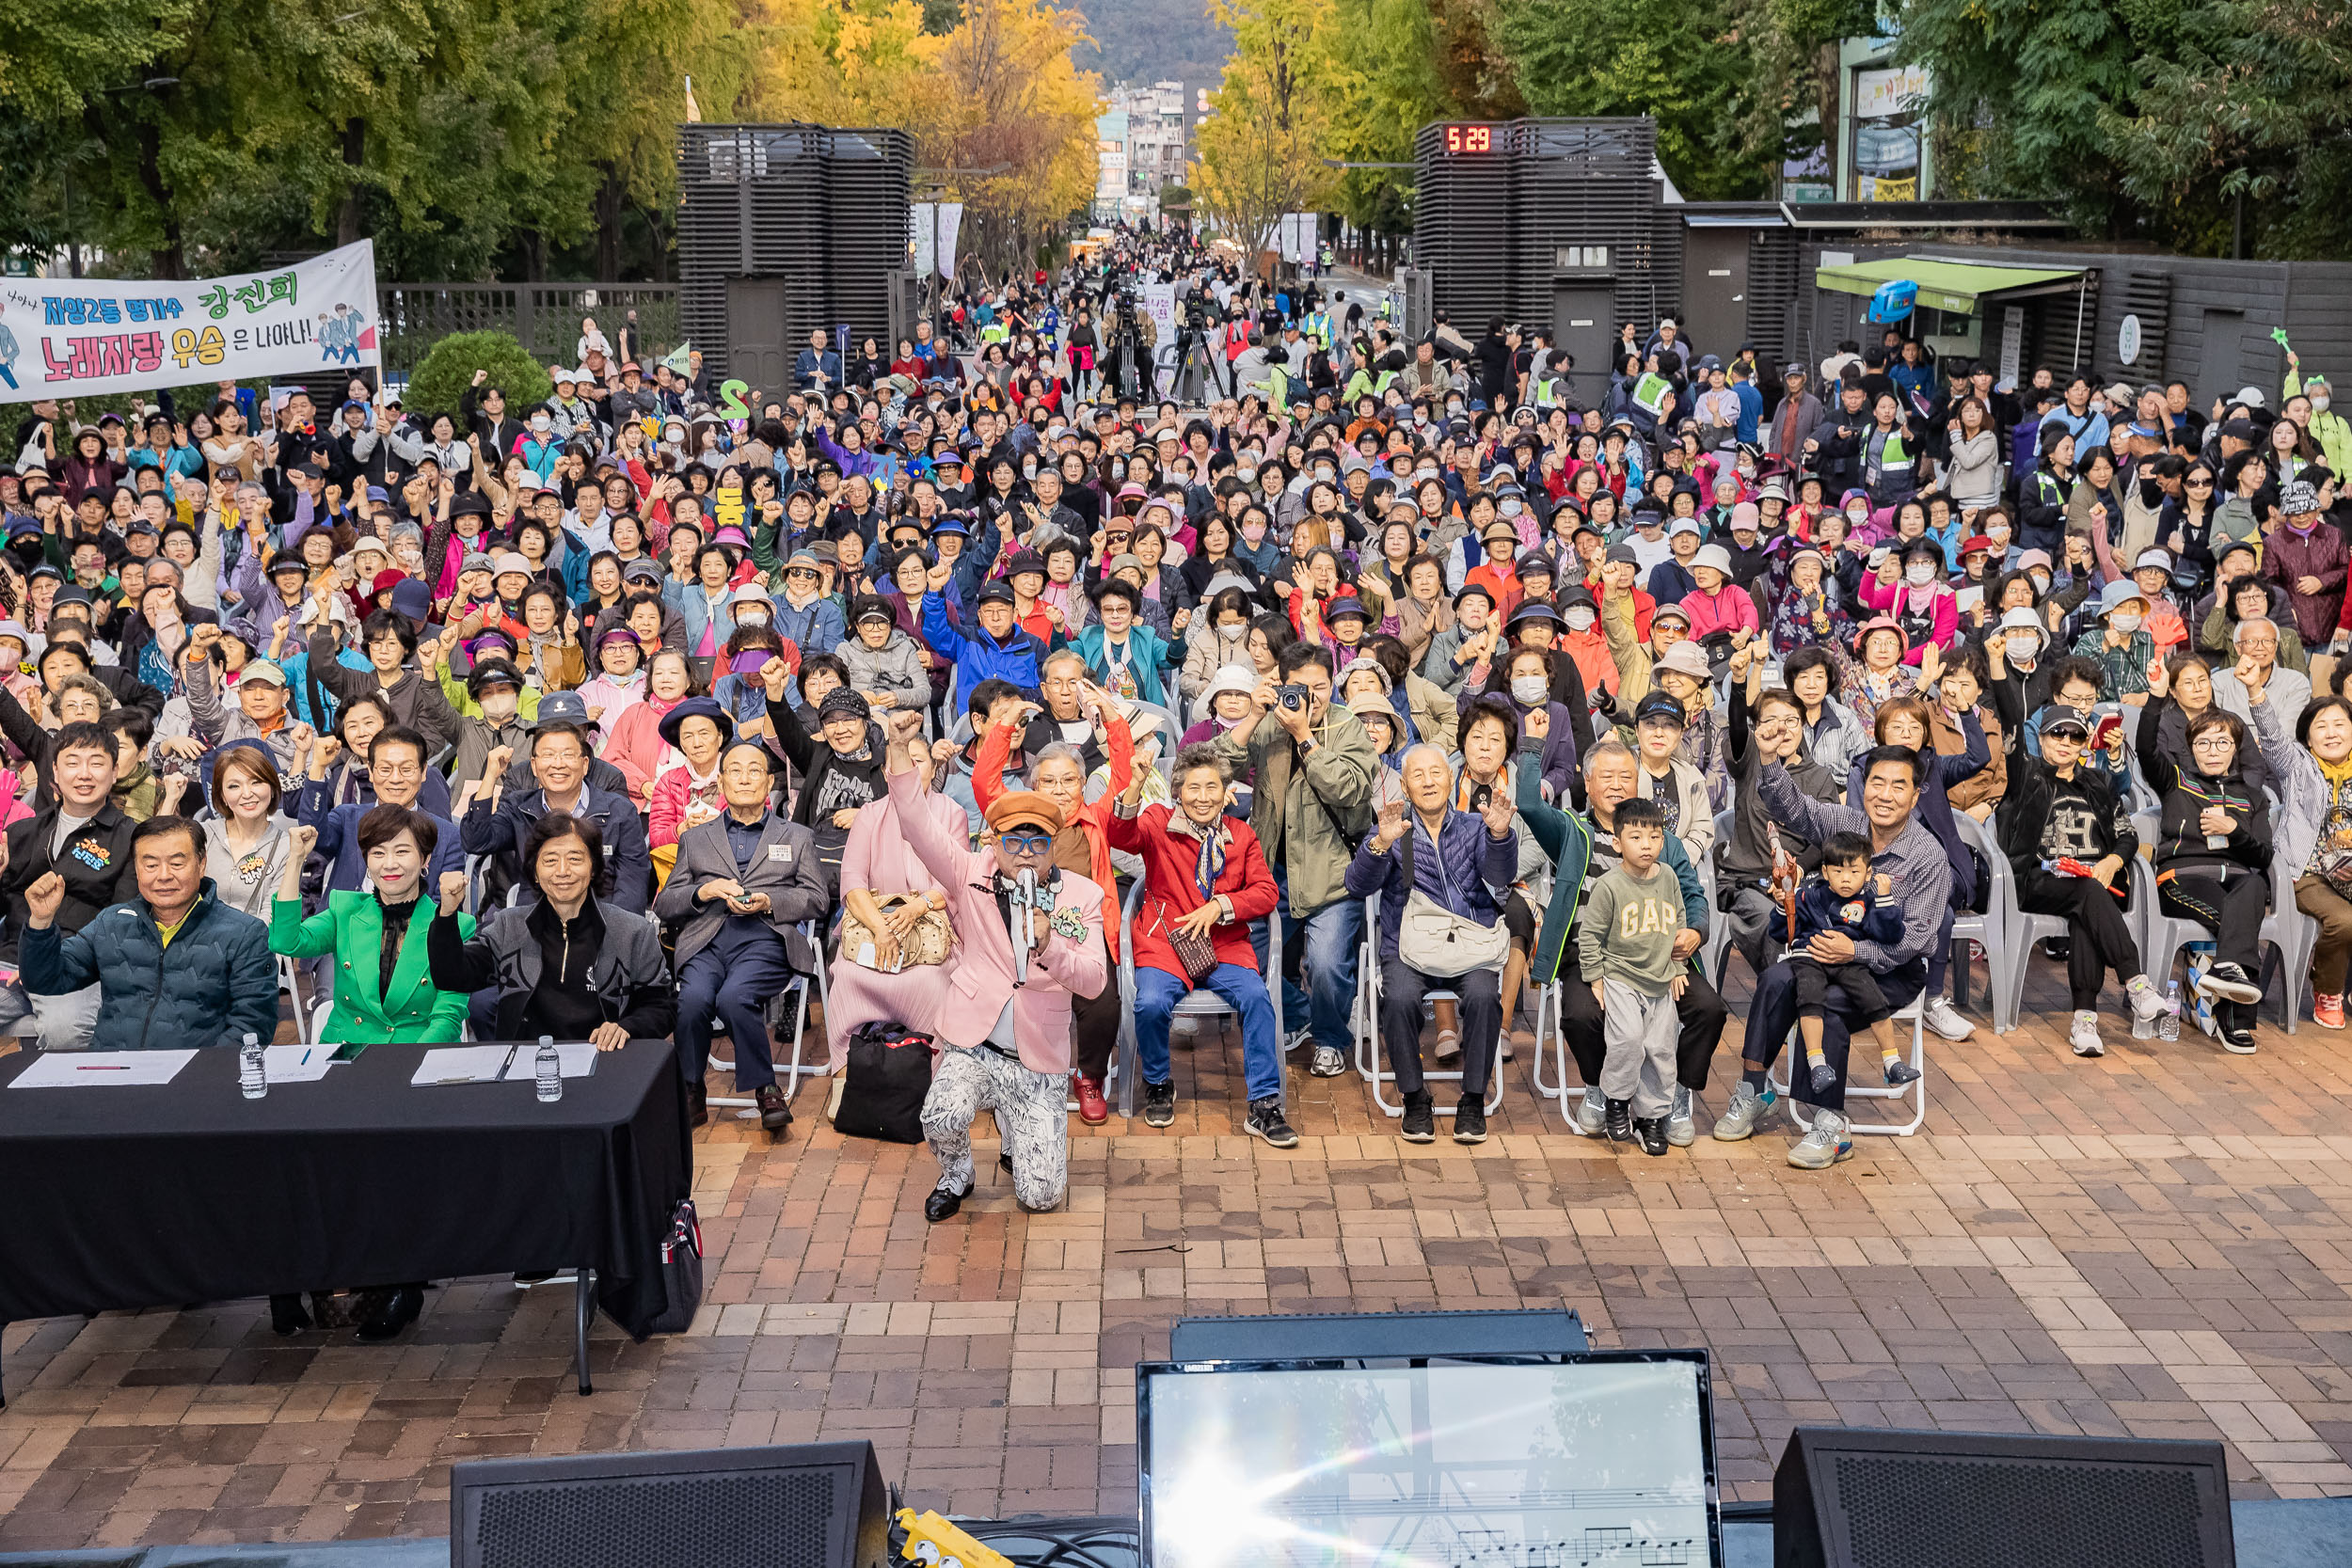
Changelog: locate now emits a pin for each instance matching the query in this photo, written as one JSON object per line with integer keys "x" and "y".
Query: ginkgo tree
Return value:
{"x": 1271, "y": 120}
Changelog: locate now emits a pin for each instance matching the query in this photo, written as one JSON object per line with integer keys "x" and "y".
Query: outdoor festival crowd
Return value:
{"x": 1037, "y": 671}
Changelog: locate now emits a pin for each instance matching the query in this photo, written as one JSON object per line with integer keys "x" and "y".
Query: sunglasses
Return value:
{"x": 1026, "y": 844}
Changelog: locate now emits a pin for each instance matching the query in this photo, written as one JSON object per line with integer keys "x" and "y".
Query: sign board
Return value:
{"x": 82, "y": 337}
{"x": 2127, "y": 340}
{"x": 1877, "y": 94}
{"x": 2012, "y": 341}
{"x": 1159, "y": 302}
{"x": 933, "y": 226}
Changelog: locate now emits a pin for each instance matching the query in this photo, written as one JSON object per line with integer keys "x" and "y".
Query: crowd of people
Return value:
{"x": 1421, "y": 669}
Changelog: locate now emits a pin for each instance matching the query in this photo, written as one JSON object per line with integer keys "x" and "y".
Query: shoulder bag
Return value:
{"x": 1433, "y": 940}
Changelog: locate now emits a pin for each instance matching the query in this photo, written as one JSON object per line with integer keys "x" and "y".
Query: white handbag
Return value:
{"x": 1433, "y": 940}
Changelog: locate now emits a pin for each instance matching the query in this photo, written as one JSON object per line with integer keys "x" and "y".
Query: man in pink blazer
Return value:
{"x": 1028, "y": 938}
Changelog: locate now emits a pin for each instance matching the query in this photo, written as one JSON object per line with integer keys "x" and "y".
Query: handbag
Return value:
{"x": 1433, "y": 940}
{"x": 681, "y": 1260}
{"x": 883, "y": 1082}
{"x": 925, "y": 943}
{"x": 1196, "y": 953}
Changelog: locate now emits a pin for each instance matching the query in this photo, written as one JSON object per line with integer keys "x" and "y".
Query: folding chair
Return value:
{"x": 1983, "y": 928}
{"x": 1369, "y": 1051}
{"x": 2293, "y": 936}
{"x": 795, "y": 996}
{"x": 1197, "y": 1003}
{"x": 1714, "y": 954}
{"x": 1914, "y": 1014}
{"x": 306, "y": 1027}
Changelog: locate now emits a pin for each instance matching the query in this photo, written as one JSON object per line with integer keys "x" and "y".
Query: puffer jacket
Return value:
{"x": 2302, "y": 790}
{"x": 894, "y": 669}
{"x": 1209, "y": 650}
{"x": 215, "y": 984}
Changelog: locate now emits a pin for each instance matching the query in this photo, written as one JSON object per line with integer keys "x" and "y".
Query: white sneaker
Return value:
{"x": 1592, "y": 1115}
{"x": 2148, "y": 1004}
{"x": 2085, "y": 1040}
{"x": 1681, "y": 1128}
{"x": 1946, "y": 1020}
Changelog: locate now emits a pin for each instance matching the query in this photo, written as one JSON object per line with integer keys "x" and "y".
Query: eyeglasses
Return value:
{"x": 2217, "y": 742}
{"x": 1026, "y": 844}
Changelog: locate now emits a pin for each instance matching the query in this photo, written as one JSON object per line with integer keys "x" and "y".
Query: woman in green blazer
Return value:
{"x": 383, "y": 977}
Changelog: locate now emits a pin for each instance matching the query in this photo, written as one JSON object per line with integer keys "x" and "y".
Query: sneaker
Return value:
{"x": 1900, "y": 1071}
{"x": 1651, "y": 1131}
{"x": 1682, "y": 1129}
{"x": 1327, "y": 1063}
{"x": 1093, "y": 1108}
{"x": 1592, "y": 1115}
{"x": 1748, "y": 1106}
{"x": 1824, "y": 1078}
{"x": 1297, "y": 1039}
{"x": 2327, "y": 1011}
{"x": 2228, "y": 982}
{"x": 1620, "y": 1121}
{"x": 1469, "y": 1120}
{"x": 1946, "y": 1020}
{"x": 1420, "y": 1125}
{"x": 1159, "y": 1103}
{"x": 1265, "y": 1121}
{"x": 2085, "y": 1037}
{"x": 2148, "y": 1004}
{"x": 2236, "y": 1033}
{"x": 1824, "y": 1147}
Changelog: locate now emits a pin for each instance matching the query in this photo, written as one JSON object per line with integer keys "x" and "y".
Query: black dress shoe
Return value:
{"x": 942, "y": 1205}
{"x": 698, "y": 1103}
{"x": 287, "y": 1315}
{"x": 774, "y": 1114}
{"x": 1004, "y": 1162}
{"x": 399, "y": 1310}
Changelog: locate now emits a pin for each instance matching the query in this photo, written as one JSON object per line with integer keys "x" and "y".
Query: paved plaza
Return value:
{"x": 2156, "y": 1244}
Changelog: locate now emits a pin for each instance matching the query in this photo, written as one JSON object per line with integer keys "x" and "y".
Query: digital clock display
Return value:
{"x": 1470, "y": 138}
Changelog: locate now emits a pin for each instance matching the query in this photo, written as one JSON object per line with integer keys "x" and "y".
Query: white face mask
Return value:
{"x": 2023, "y": 647}
{"x": 1856, "y": 516}
{"x": 2319, "y": 403}
{"x": 1512, "y": 507}
{"x": 541, "y": 422}
{"x": 1248, "y": 476}
{"x": 1579, "y": 619}
{"x": 751, "y": 617}
{"x": 1454, "y": 409}
{"x": 1999, "y": 533}
{"x": 1327, "y": 475}
{"x": 1421, "y": 474}
{"x": 1919, "y": 574}
{"x": 2127, "y": 623}
{"x": 1529, "y": 690}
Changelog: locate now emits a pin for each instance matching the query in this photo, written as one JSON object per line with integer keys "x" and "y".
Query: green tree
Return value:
{"x": 1683, "y": 62}
{"x": 448, "y": 370}
{"x": 1262, "y": 147}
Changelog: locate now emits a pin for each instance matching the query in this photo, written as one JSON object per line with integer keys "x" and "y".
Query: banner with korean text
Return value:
{"x": 79, "y": 336}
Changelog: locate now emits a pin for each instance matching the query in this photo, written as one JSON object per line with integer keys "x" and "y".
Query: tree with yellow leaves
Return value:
{"x": 1271, "y": 119}
{"x": 843, "y": 62}
{"x": 1009, "y": 99}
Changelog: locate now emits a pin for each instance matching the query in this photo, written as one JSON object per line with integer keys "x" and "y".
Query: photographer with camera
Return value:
{"x": 1310, "y": 765}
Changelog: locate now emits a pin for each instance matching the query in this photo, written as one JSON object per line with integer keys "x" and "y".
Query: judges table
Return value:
{"x": 135, "y": 1196}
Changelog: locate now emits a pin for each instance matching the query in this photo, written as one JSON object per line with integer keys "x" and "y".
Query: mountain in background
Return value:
{"x": 1140, "y": 41}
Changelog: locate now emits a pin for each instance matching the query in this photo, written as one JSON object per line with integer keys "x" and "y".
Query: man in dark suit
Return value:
{"x": 818, "y": 369}
{"x": 743, "y": 882}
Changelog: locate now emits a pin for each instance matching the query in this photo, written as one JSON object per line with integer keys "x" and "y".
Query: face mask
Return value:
{"x": 1528, "y": 690}
{"x": 2319, "y": 403}
{"x": 751, "y": 618}
{"x": 2023, "y": 647}
{"x": 1326, "y": 475}
{"x": 1454, "y": 409}
{"x": 1580, "y": 619}
{"x": 2124, "y": 624}
{"x": 1248, "y": 476}
{"x": 1252, "y": 533}
{"x": 540, "y": 422}
{"x": 1999, "y": 533}
{"x": 1512, "y": 507}
{"x": 1421, "y": 474}
{"x": 1919, "y": 574}
{"x": 2040, "y": 582}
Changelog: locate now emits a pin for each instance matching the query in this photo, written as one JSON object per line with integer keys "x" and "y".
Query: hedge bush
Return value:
{"x": 448, "y": 368}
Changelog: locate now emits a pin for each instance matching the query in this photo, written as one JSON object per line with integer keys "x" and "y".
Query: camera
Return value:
{"x": 1293, "y": 696}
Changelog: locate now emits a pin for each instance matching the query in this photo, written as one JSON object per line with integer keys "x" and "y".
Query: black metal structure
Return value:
{"x": 810, "y": 1505}
{"x": 1855, "y": 1497}
{"x": 1312, "y": 1335}
{"x": 1548, "y": 223}
{"x": 787, "y": 230}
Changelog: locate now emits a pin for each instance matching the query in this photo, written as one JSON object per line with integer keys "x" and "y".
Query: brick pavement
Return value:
{"x": 2155, "y": 1244}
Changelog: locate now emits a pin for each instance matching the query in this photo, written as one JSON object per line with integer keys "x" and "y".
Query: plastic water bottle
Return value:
{"x": 2169, "y": 1027}
{"x": 550, "y": 1070}
{"x": 252, "y": 1069}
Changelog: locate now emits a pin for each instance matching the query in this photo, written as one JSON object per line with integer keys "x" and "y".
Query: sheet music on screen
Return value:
{"x": 1584, "y": 1464}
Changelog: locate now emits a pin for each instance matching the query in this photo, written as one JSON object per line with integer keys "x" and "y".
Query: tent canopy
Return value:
{"x": 1954, "y": 286}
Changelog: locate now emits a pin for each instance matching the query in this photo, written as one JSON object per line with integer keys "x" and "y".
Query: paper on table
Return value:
{"x": 580, "y": 1059}
{"x": 461, "y": 1063}
{"x": 72, "y": 1069}
{"x": 285, "y": 1064}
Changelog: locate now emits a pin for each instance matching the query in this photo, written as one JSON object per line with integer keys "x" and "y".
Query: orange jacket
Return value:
{"x": 987, "y": 784}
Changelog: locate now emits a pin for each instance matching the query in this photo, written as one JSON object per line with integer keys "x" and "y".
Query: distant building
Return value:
{"x": 1111, "y": 165}
{"x": 1141, "y": 144}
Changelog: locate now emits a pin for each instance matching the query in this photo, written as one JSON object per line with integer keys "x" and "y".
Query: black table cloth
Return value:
{"x": 147, "y": 1196}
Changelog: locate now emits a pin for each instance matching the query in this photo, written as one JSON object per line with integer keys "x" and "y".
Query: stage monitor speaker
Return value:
{"x": 1858, "y": 1497}
{"x": 807, "y": 1505}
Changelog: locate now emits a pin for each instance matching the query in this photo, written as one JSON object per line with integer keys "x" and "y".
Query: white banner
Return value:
{"x": 1294, "y": 237}
{"x": 929, "y": 223}
{"x": 79, "y": 336}
{"x": 1159, "y": 302}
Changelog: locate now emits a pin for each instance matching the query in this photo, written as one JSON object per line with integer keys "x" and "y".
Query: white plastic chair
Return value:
{"x": 1914, "y": 1014}
{"x": 306, "y": 1025}
{"x": 1200, "y": 1001}
{"x": 2288, "y": 931}
{"x": 795, "y": 1067}
{"x": 1370, "y": 1053}
{"x": 2293, "y": 936}
{"x": 2019, "y": 930}
{"x": 1985, "y": 928}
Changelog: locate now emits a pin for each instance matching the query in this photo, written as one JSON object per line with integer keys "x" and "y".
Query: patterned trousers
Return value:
{"x": 1031, "y": 1111}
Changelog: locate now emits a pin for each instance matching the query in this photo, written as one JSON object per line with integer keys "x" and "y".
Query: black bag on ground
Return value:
{"x": 681, "y": 1270}
{"x": 883, "y": 1084}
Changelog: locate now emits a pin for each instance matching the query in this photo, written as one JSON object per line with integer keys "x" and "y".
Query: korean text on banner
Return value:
{"x": 1159, "y": 302}
{"x": 82, "y": 337}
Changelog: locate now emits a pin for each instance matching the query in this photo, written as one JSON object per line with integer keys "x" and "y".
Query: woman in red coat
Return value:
{"x": 1205, "y": 879}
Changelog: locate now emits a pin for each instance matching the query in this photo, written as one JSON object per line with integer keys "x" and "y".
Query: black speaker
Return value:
{"x": 1855, "y": 1498}
{"x": 807, "y": 1505}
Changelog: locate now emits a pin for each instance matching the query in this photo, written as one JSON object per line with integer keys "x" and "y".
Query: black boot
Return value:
{"x": 400, "y": 1310}
{"x": 698, "y": 1103}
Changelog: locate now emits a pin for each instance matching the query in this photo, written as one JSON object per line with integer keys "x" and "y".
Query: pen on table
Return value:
{"x": 106, "y": 1068}
{"x": 306, "y": 1057}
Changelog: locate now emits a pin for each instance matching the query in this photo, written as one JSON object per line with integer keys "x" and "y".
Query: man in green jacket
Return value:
{"x": 1311, "y": 766}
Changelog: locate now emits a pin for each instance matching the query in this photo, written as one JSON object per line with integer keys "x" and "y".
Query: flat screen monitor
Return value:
{"x": 1599, "y": 1460}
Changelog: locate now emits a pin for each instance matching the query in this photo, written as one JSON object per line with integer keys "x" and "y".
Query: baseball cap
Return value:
{"x": 1659, "y": 708}
{"x": 261, "y": 670}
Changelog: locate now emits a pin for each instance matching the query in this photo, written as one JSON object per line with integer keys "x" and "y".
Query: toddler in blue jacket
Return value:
{"x": 1845, "y": 900}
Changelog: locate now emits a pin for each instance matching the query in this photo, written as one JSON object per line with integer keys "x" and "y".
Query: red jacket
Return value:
{"x": 1171, "y": 864}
